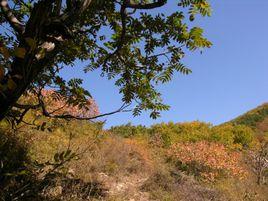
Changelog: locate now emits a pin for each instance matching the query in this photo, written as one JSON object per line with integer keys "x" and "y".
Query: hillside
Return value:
{"x": 256, "y": 118}
{"x": 78, "y": 160}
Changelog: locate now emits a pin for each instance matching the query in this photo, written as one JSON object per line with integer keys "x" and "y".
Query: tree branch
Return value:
{"x": 10, "y": 17}
{"x": 153, "y": 5}
{"x": 120, "y": 44}
{"x": 17, "y": 105}
{"x": 74, "y": 10}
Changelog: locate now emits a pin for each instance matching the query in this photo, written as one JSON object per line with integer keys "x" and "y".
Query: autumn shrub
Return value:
{"x": 207, "y": 160}
{"x": 223, "y": 134}
{"x": 243, "y": 135}
{"x": 230, "y": 135}
{"x": 116, "y": 156}
{"x": 57, "y": 104}
{"x": 170, "y": 133}
{"x": 161, "y": 185}
{"x": 166, "y": 134}
{"x": 166, "y": 184}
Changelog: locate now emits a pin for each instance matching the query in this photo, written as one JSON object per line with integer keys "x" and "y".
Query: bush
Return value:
{"x": 222, "y": 134}
{"x": 128, "y": 130}
{"x": 13, "y": 157}
{"x": 171, "y": 133}
{"x": 207, "y": 160}
{"x": 229, "y": 135}
{"x": 243, "y": 135}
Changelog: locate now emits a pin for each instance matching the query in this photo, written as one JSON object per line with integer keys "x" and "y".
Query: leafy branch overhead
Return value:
{"x": 129, "y": 43}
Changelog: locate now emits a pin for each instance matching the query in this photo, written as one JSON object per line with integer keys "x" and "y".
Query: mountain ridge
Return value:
{"x": 256, "y": 118}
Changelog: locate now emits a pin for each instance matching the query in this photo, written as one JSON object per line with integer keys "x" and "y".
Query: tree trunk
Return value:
{"x": 25, "y": 70}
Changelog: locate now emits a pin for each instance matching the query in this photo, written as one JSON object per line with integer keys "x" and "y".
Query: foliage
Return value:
{"x": 128, "y": 130}
{"x": 117, "y": 167}
{"x": 228, "y": 134}
{"x": 243, "y": 135}
{"x": 253, "y": 117}
{"x": 166, "y": 134}
{"x": 26, "y": 173}
{"x": 223, "y": 134}
{"x": 258, "y": 160}
{"x": 13, "y": 159}
{"x": 137, "y": 49}
{"x": 208, "y": 160}
{"x": 181, "y": 132}
{"x": 60, "y": 105}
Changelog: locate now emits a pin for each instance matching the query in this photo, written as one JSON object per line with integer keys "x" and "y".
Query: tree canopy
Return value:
{"x": 124, "y": 39}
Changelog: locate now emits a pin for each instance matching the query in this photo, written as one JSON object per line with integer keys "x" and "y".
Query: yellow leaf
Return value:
{"x": 4, "y": 51}
{"x": 20, "y": 52}
{"x": 11, "y": 84}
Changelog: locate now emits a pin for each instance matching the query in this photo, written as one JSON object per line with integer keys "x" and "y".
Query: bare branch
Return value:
{"x": 46, "y": 113}
{"x": 10, "y": 17}
{"x": 17, "y": 105}
{"x": 67, "y": 116}
{"x": 153, "y": 5}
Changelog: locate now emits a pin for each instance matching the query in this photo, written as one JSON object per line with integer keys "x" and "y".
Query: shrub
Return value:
{"x": 57, "y": 104}
{"x": 171, "y": 133}
{"x": 222, "y": 134}
{"x": 129, "y": 130}
{"x": 116, "y": 156}
{"x": 208, "y": 160}
{"x": 13, "y": 157}
{"x": 243, "y": 135}
{"x": 229, "y": 135}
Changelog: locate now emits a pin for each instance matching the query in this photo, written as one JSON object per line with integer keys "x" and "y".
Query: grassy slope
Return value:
{"x": 129, "y": 167}
{"x": 256, "y": 118}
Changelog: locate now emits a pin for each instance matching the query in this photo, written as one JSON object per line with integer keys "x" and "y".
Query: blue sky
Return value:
{"x": 227, "y": 80}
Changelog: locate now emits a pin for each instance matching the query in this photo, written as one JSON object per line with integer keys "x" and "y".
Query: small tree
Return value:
{"x": 259, "y": 160}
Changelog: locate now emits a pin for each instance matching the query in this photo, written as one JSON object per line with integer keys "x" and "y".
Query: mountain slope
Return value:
{"x": 256, "y": 118}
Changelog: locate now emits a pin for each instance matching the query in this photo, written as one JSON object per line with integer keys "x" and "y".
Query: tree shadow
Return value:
{"x": 20, "y": 181}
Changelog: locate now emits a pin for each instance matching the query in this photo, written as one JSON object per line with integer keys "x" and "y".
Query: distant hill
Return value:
{"x": 256, "y": 118}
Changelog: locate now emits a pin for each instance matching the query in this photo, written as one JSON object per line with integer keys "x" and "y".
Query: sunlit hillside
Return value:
{"x": 256, "y": 118}
{"x": 78, "y": 160}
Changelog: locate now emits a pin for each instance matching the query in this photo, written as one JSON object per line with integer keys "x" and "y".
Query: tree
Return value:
{"x": 123, "y": 38}
{"x": 258, "y": 159}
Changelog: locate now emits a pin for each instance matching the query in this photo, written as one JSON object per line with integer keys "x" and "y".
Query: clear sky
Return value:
{"x": 227, "y": 80}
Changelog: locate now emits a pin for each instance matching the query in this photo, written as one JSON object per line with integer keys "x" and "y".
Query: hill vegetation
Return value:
{"x": 79, "y": 160}
{"x": 256, "y": 119}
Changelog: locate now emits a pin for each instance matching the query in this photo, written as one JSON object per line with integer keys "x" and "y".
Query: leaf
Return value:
{"x": 56, "y": 157}
{"x": 41, "y": 54}
{"x": 11, "y": 84}
{"x": 61, "y": 156}
{"x": 67, "y": 153}
{"x": 4, "y": 51}
{"x": 20, "y": 52}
